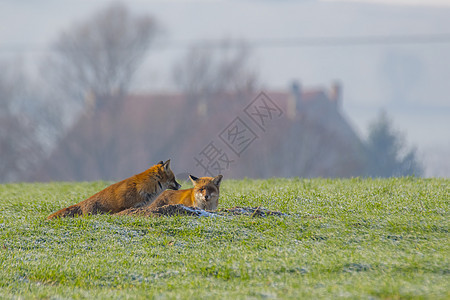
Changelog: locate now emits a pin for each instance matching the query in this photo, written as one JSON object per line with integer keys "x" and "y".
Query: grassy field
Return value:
{"x": 355, "y": 238}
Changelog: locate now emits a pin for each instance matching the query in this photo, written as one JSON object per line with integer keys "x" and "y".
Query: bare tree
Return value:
{"x": 208, "y": 70}
{"x": 20, "y": 148}
{"x": 94, "y": 63}
{"x": 98, "y": 58}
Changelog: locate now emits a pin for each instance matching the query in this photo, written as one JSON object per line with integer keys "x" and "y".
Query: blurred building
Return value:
{"x": 297, "y": 132}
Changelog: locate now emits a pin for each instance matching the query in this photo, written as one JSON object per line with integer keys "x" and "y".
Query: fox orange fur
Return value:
{"x": 204, "y": 194}
{"x": 136, "y": 191}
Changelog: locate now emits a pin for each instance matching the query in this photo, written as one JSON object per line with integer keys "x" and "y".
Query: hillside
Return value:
{"x": 383, "y": 238}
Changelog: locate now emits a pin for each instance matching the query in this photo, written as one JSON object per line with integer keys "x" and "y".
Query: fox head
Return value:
{"x": 166, "y": 176}
{"x": 206, "y": 191}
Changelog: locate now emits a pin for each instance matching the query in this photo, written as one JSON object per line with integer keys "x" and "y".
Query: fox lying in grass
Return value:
{"x": 138, "y": 190}
{"x": 204, "y": 195}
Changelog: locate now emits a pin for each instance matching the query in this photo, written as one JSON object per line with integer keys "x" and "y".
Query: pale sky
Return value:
{"x": 399, "y": 2}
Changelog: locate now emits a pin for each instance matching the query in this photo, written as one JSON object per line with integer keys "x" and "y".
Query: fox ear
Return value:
{"x": 217, "y": 180}
{"x": 166, "y": 165}
{"x": 193, "y": 178}
{"x": 160, "y": 162}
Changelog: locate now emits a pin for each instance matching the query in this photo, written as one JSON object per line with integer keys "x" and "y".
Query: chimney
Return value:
{"x": 294, "y": 100}
{"x": 335, "y": 94}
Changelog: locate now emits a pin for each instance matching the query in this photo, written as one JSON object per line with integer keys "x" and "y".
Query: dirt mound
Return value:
{"x": 167, "y": 210}
{"x": 181, "y": 210}
{"x": 250, "y": 211}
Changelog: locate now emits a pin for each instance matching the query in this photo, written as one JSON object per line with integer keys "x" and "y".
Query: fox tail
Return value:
{"x": 70, "y": 211}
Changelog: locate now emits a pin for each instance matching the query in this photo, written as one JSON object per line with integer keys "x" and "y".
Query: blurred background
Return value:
{"x": 102, "y": 90}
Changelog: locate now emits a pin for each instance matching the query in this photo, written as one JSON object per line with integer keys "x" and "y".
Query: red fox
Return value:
{"x": 138, "y": 190}
{"x": 204, "y": 195}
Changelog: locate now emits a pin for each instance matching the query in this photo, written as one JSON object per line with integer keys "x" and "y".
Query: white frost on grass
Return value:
{"x": 199, "y": 212}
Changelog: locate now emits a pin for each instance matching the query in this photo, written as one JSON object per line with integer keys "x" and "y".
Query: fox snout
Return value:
{"x": 174, "y": 185}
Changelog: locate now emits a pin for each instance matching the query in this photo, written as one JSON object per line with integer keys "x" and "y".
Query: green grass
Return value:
{"x": 355, "y": 238}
